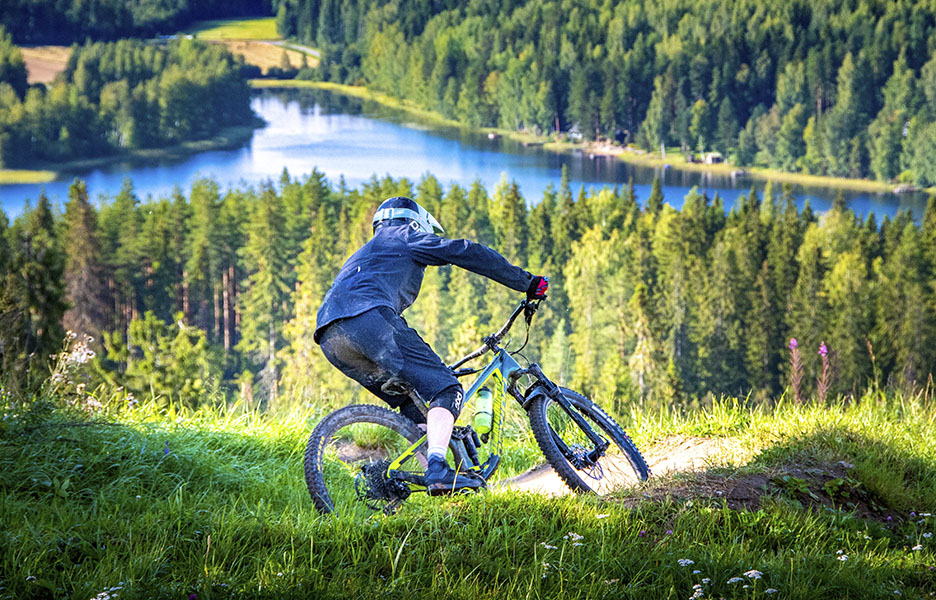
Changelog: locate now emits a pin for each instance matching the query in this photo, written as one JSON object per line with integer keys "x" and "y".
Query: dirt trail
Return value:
{"x": 676, "y": 453}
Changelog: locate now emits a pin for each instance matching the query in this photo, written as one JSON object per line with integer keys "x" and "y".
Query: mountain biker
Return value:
{"x": 361, "y": 331}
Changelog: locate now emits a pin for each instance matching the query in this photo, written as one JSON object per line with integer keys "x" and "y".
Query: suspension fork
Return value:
{"x": 552, "y": 390}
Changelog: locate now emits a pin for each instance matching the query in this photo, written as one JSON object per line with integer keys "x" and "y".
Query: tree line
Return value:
{"x": 115, "y": 96}
{"x": 214, "y": 289}
{"x": 833, "y": 88}
{"x": 57, "y": 22}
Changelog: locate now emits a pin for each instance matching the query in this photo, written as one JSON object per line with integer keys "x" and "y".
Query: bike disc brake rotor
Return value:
{"x": 581, "y": 460}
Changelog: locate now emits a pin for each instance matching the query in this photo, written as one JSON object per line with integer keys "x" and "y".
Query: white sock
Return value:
{"x": 436, "y": 452}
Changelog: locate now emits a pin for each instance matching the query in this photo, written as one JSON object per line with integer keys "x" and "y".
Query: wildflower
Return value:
{"x": 602, "y": 516}
{"x": 166, "y": 448}
{"x": 685, "y": 562}
{"x": 753, "y": 574}
{"x": 735, "y": 580}
{"x": 547, "y": 546}
{"x": 823, "y": 350}
{"x": 771, "y": 591}
{"x": 669, "y": 532}
{"x": 573, "y": 536}
{"x": 793, "y": 344}
{"x": 839, "y": 551}
{"x": 917, "y": 547}
{"x": 31, "y": 578}
{"x": 843, "y": 557}
{"x": 193, "y": 597}
{"x": 927, "y": 535}
{"x": 642, "y": 533}
{"x": 696, "y": 572}
{"x": 574, "y": 544}
{"x": 897, "y": 593}
{"x": 706, "y": 580}
{"x": 912, "y": 515}
{"x": 611, "y": 581}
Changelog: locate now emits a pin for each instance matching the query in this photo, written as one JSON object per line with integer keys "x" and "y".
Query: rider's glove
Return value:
{"x": 537, "y": 289}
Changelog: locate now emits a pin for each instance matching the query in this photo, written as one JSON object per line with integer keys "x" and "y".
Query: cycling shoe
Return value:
{"x": 442, "y": 479}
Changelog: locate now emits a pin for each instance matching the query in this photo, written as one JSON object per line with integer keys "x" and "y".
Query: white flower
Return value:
{"x": 573, "y": 536}
{"x": 735, "y": 580}
{"x": 839, "y": 551}
{"x": 685, "y": 562}
{"x": 927, "y": 535}
{"x": 917, "y": 547}
{"x": 843, "y": 557}
{"x": 706, "y": 580}
{"x": 611, "y": 581}
{"x": 696, "y": 572}
{"x": 574, "y": 544}
{"x": 602, "y": 516}
{"x": 547, "y": 546}
{"x": 771, "y": 591}
{"x": 753, "y": 574}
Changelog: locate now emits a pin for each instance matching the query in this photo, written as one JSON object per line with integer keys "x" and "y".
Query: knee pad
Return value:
{"x": 451, "y": 399}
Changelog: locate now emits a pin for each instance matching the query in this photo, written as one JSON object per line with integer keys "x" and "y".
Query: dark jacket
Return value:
{"x": 388, "y": 271}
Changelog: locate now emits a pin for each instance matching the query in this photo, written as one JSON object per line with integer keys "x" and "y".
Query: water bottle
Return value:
{"x": 484, "y": 411}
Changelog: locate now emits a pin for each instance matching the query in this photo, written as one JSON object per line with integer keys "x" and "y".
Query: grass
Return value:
{"x": 235, "y": 29}
{"x": 13, "y": 176}
{"x": 165, "y": 503}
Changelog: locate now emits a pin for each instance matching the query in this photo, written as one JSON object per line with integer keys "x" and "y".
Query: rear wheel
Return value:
{"x": 582, "y": 464}
{"x": 347, "y": 456}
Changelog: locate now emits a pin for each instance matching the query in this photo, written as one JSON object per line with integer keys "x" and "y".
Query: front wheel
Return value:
{"x": 584, "y": 465}
{"x": 348, "y": 454}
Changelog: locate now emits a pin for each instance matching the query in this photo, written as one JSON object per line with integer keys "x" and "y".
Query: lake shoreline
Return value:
{"x": 593, "y": 149}
{"x": 229, "y": 137}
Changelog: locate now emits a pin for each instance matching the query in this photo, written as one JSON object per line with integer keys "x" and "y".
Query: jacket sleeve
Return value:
{"x": 431, "y": 249}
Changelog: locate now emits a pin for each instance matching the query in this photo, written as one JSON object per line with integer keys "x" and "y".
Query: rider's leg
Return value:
{"x": 439, "y": 431}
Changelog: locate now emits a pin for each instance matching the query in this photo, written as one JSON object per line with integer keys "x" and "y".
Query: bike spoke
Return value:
{"x": 603, "y": 470}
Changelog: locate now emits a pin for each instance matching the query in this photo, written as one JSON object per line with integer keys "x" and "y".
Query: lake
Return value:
{"x": 357, "y": 139}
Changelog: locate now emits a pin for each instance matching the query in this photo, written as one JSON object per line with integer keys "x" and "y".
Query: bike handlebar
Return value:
{"x": 528, "y": 307}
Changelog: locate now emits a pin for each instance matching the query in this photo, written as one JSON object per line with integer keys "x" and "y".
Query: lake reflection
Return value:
{"x": 350, "y": 138}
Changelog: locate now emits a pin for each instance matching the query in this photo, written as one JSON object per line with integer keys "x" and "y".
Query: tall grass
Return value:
{"x": 149, "y": 502}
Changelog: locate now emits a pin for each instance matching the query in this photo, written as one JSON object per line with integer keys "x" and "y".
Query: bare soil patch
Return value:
{"x": 687, "y": 468}
{"x": 43, "y": 63}
{"x": 266, "y": 54}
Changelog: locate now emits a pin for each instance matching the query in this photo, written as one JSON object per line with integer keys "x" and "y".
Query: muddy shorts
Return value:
{"x": 380, "y": 351}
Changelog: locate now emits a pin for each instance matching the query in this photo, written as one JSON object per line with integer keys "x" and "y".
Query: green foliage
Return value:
{"x": 725, "y": 76}
{"x": 48, "y": 21}
{"x": 124, "y": 95}
{"x": 168, "y": 362}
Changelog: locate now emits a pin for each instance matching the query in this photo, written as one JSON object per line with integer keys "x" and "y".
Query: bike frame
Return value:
{"x": 500, "y": 377}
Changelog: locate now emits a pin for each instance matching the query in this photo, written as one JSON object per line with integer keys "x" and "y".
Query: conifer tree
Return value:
{"x": 85, "y": 277}
{"x": 37, "y": 270}
{"x": 265, "y": 304}
{"x": 120, "y": 229}
{"x": 203, "y": 267}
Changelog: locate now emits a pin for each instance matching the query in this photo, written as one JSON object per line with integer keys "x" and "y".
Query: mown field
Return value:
{"x": 147, "y": 502}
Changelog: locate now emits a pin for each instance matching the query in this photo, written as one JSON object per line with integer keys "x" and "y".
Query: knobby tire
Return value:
{"x": 624, "y": 465}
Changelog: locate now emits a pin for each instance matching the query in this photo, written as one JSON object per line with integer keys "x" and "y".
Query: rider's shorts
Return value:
{"x": 379, "y": 350}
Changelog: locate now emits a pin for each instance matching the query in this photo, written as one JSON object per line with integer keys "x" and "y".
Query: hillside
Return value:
{"x": 798, "y": 502}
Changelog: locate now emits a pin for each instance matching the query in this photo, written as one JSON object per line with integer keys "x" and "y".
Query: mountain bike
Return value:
{"x": 369, "y": 456}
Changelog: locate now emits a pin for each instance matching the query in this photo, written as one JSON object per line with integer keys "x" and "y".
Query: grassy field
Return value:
{"x": 814, "y": 502}
{"x": 235, "y": 29}
{"x": 9, "y": 176}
